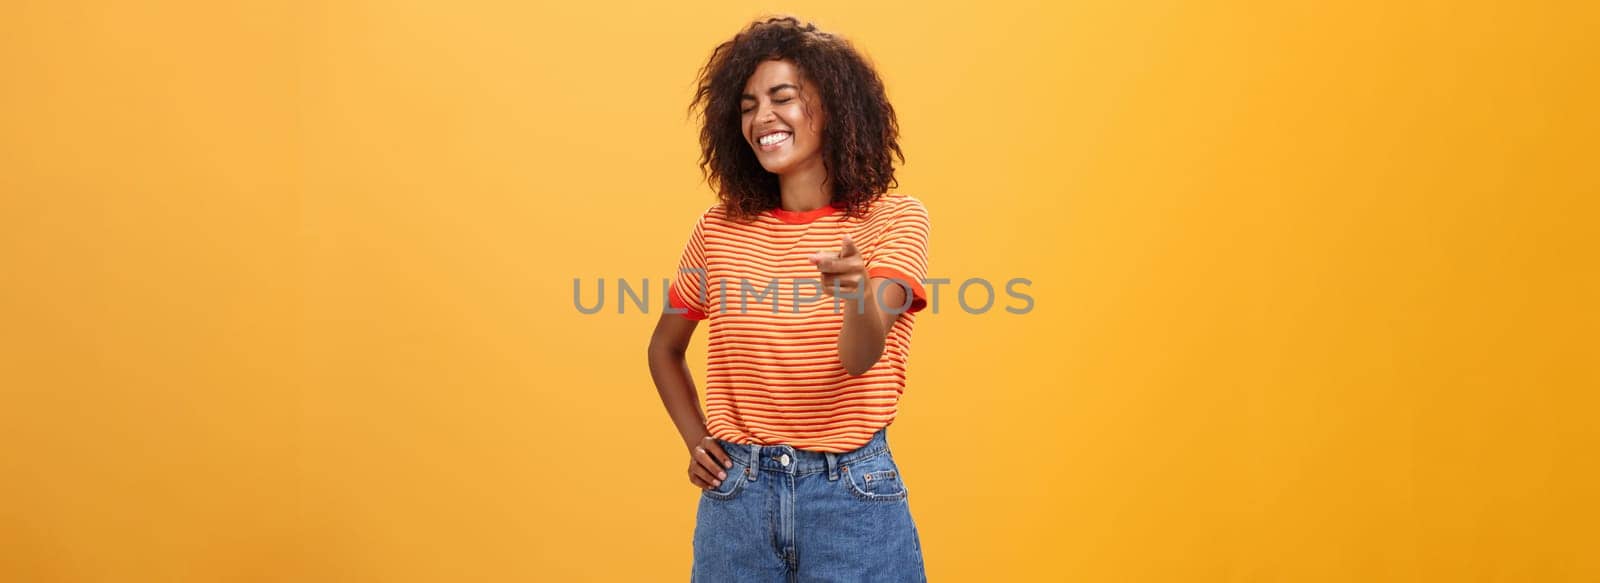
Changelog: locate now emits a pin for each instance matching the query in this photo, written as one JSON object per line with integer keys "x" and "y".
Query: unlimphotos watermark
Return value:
{"x": 746, "y": 295}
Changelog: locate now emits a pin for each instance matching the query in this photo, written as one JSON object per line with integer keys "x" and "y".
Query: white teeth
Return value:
{"x": 773, "y": 138}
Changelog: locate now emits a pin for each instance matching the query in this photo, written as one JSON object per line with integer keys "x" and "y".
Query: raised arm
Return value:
{"x": 868, "y": 313}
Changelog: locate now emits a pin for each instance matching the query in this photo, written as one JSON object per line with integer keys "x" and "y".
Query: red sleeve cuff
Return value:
{"x": 677, "y": 302}
{"x": 919, "y": 296}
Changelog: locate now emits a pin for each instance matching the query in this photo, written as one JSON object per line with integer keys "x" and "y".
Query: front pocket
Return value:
{"x": 731, "y": 487}
{"x": 876, "y": 479}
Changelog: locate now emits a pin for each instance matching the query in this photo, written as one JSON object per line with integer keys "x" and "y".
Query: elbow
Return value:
{"x": 859, "y": 357}
{"x": 660, "y": 348}
{"x": 654, "y": 350}
{"x": 859, "y": 366}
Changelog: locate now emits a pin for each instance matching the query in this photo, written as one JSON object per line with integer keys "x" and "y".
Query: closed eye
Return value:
{"x": 750, "y": 109}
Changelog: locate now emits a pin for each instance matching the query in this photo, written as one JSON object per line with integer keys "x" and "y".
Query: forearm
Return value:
{"x": 862, "y": 336}
{"x": 866, "y": 323}
{"x": 670, "y": 371}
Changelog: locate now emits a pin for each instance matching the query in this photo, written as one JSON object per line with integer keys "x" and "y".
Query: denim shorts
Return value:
{"x": 785, "y": 514}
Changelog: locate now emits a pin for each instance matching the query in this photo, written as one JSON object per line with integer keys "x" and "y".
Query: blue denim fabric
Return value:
{"x": 792, "y": 515}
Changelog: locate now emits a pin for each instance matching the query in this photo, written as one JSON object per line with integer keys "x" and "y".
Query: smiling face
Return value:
{"x": 781, "y": 118}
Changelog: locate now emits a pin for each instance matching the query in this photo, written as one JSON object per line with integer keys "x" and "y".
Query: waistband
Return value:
{"x": 788, "y": 460}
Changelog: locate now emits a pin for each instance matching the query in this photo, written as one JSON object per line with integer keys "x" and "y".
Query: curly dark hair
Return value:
{"x": 860, "y": 135}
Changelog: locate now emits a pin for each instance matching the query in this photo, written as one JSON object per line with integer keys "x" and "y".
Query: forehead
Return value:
{"x": 770, "y": 73}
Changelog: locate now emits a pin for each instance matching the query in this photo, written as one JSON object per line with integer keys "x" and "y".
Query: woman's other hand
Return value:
{"x": 707, "y": 463}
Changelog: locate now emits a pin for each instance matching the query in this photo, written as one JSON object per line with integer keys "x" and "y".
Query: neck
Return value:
{"x": 805, "y": 189}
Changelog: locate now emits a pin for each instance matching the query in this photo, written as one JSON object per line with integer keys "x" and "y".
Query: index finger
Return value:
{"x": 715, "y": 449}
{"x": 848, "y": 248}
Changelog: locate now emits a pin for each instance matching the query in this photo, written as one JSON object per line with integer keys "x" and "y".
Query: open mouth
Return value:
{"x": 773, "y": 140}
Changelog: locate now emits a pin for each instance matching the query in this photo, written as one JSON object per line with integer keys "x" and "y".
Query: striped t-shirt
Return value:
{"x": 773, "y": 370}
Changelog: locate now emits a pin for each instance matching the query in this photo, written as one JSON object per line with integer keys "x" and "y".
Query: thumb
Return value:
{"x": 849, "y": 248}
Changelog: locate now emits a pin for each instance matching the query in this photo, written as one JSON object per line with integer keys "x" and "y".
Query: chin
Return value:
{"x": 776, "y": 166}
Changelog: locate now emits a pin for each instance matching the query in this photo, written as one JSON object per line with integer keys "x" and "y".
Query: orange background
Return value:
{"x": 286, "y": 288}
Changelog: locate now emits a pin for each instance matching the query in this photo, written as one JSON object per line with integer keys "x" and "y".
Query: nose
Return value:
{"x": 765, "y": 113}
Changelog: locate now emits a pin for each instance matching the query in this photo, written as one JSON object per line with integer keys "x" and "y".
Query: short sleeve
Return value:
{"x": 688, "y": 291}
{"x": 901, "y": 253}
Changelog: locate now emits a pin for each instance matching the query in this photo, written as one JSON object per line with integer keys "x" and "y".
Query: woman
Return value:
{"x": 809, "y": 275}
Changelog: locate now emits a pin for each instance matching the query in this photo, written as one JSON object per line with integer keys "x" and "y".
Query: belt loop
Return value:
{"x": 833, "y": 466}
{"x": 754, "y": 469}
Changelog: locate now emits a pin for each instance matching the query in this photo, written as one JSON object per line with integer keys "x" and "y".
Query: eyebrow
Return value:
{"x": 774, "y": 89}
